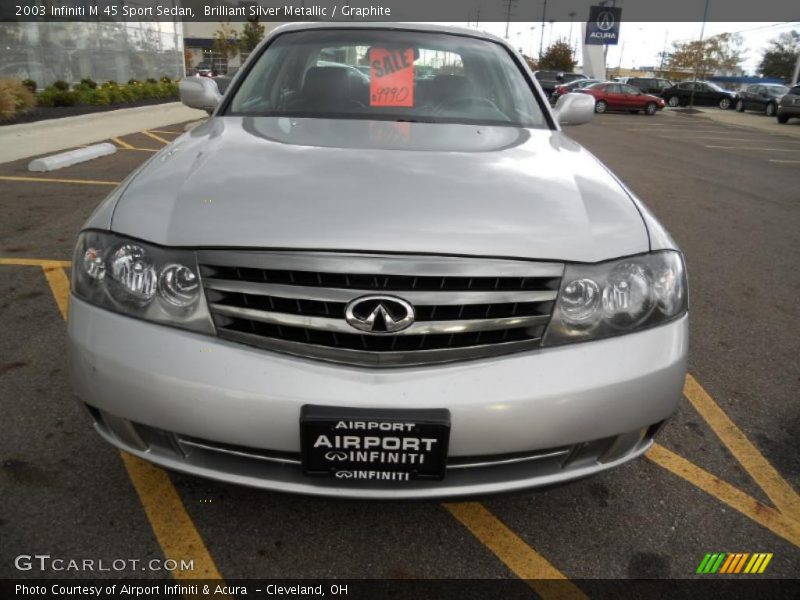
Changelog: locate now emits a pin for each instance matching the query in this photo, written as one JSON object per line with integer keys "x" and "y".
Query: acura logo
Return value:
{"x": 605, "y": 20}
{"x": 379, "y": 314}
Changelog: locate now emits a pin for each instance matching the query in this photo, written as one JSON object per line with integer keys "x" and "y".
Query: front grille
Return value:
{"x": 295, "y": 303}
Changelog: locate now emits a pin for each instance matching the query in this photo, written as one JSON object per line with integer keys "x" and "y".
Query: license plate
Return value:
{"x": 377, "y": 445}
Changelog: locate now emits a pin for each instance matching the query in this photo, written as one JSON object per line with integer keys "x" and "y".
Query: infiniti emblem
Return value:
{"x": 379, "y": 314}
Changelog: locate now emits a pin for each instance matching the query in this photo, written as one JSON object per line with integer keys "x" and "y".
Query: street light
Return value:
{"x": 700, "y": 48}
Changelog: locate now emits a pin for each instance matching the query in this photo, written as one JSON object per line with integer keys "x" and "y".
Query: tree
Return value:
{"x": 720, "y": 52}
{"x": 226, "y": 41}
{"x": 781, "y": 56}
{"x": 252, "y": 34}
{"x": 558, "y": 57}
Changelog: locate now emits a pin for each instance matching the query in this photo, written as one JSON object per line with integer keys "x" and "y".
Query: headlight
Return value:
{"x": 140, "y": 280}
{"x": 620, "y": 296}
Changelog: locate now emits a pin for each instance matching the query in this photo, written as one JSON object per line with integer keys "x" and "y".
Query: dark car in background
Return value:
{"x": 549, "y": 80}
{"x": 789, "y": 105}
{"x": 620, "y": 96}
{"x": 763, "y": 97}
{"x": 706, "y": 93}
{"x": 573, "y": 86}
{"x": 650, "y": 85}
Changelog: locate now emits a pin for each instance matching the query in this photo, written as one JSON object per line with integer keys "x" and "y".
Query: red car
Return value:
{"x": 619, "y": 96}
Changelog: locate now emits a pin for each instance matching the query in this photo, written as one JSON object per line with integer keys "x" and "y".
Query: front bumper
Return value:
{"x": 217, "y": 409}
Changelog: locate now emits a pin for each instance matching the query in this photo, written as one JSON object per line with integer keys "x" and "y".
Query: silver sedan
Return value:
{"x": 402, "y": 285}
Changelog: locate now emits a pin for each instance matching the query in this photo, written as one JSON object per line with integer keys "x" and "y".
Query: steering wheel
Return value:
{"x": 464, "y": 102}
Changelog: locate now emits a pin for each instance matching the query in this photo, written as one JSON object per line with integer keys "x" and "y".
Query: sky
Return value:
{"x": 641, "y": 43}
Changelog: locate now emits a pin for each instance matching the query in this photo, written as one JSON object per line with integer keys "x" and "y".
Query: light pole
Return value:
{"x": 700, "y": 50}
{"x": 571, "y": 21}
{"x": 541, "y": 39}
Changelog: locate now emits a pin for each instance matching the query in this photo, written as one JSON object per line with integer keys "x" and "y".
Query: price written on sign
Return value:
{"x": 391, "y": 81}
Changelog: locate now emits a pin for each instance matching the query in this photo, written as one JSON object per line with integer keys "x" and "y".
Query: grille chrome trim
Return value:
{"x": 410, "y": 265}
{"x": 341, "y": 326}
{"x": 344, "y": 295}
{"x": 295, "y": 303}
{"x": 367, "y": 358}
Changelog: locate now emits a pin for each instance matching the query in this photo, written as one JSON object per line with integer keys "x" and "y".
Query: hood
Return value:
{"x": 374, "y": 186}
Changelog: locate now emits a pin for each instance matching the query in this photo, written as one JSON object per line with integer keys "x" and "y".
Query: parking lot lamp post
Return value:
{"x": 700, "y": 49}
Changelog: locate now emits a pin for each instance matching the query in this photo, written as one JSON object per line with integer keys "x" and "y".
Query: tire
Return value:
{"x": 651, "y": 109}
{"x": 601, "y": 106}
{"x": 674, "y": 101}
{"x": 724, "y": 103}
{"x": 770, "y": 110}
{"x": 783, "y": 119}
{"x": 739, "y": 106}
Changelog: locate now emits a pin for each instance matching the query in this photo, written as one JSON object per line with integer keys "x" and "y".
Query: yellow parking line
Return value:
{"x": 48, "y": 180}
{"x": 757, "y": 466}
{"x": 141, "y": 149}
{"x": 122, "y": 143}
{"x": 163, "y": 131}
{"x": 34, "y": 262}
{"x": 59, "y": 285}
{"x": 157, "y": 138}
{"x": 524, "y": 561}
{"x": 780, "y": 524}
{"x": 172, "y": 525}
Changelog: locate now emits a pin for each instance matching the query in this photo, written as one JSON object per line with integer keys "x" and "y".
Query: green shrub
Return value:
{"x": 61, "y": 85}
{"x": 166, "y": 79}
{"x": 110, "y": 84}
{"x": 30, "y": 84}
{"x": 15, "y": 98}
{"x": 151, "y": 80}
{"x": 88, "y": 82}
{"x": 52, "y": 96}
{"x": 133, "y": 81}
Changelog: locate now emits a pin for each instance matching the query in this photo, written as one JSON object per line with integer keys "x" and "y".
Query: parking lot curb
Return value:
{"x": 42, "y": 137}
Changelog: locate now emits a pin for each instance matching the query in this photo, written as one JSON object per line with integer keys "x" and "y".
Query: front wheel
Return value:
{"x": 674, "y": 101}
{"x": 601, "y": 106}
{"x": 650, "y": 109}
{"x": 770, "y": 110}
{"x": 739, "y": 106}
{"x": 725, "y": 103}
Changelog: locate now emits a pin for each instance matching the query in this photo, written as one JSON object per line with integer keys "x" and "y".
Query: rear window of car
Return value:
{"x": 413, "y": 76}
{"x": 572, "y": 77}
{"x": 795, "y": 91}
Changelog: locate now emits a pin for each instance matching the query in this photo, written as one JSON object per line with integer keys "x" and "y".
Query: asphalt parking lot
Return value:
{"x": 722, "y": 477}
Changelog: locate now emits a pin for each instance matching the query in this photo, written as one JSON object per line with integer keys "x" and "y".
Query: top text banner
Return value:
{"x": 453, "y": 11}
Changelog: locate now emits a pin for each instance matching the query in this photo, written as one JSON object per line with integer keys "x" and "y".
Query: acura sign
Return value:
{"x": 603, "y": 25}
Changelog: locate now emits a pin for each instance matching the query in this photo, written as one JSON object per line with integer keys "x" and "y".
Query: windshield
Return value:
{"x": 714, "y": 86}
{"x": 387, "y": 75}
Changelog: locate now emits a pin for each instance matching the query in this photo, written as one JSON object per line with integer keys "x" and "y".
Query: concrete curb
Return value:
{"x": 43, "y": 137}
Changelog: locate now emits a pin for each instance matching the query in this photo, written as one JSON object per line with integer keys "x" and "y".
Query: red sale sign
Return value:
{"x": 391, "y": 81}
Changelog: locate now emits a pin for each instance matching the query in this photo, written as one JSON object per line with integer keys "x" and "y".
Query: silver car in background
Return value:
{"x": 403, "y": 285}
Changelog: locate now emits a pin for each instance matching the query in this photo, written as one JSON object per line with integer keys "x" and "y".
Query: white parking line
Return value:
{"x": 775, "y": 160}
{"x": 748, "y": 148}
{"x": 728, "y": 139}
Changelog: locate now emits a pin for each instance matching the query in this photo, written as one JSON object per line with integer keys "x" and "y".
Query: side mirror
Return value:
{"x": 574, "y": 109}
{"x": 200, "y": 92}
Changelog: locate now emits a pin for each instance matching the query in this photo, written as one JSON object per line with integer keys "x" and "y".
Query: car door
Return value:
{"x": 748, "y": 96}
{"x": 761, "y": 99}
{"x": 632, "y": 97}
{"x": 614, "y": 96}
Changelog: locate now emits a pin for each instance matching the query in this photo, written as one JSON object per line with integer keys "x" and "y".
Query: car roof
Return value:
{"x": 425, "y": 27}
